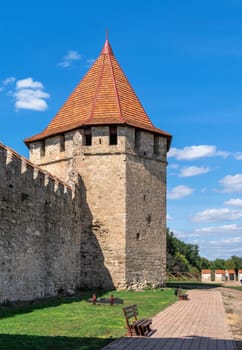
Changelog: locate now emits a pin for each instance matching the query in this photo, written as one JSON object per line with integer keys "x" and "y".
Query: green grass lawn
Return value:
{"x": 73, "y": 323}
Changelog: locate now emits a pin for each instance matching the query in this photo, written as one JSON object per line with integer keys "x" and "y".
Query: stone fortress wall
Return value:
{"x": 123, "y": 205}
{"x": 83, "y": 216}
{"x": 39, "y": 232}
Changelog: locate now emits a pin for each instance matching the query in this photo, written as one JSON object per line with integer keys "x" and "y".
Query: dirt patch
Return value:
{"x": 233, "y": 305}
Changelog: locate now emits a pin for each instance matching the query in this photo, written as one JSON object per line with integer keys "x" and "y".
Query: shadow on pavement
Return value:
{"x": 188, "y": 343}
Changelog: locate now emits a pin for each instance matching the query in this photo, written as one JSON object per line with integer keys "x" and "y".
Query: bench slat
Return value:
{"x": 136, "y": 327}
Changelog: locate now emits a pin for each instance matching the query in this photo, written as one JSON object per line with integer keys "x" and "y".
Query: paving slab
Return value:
{"x": 199, "y": 323}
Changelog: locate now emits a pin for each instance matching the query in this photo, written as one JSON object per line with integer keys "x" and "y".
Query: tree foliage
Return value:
{"x": 234, "y": 263}
{"x": 217, "y": 264}
{"x": 184, "y": 257}
{"x": 181, "y": 257}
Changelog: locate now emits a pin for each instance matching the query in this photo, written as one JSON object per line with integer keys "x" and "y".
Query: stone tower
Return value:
{"x": 103, "y": 140}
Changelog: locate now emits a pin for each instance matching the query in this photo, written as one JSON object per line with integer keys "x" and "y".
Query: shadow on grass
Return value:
{"x": 192, "y": 285}
{"x": 26, "y": 307}
{"x": 32, "y": 342}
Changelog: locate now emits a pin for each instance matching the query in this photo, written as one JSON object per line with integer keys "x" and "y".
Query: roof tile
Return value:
{"x": 103, "y": 96}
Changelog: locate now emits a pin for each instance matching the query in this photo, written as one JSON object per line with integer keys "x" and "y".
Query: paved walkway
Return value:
{"x": 197, "y": 324}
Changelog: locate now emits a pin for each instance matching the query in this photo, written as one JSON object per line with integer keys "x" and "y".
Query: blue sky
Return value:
{"x": 184, "y": 60}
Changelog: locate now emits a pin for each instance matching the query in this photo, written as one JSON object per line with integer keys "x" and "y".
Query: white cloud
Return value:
{"x": 90, "y": 61}
{"x": 173, "y": 166}
{"x": 169, "y": 217}
{"x": 223, "y": 248}
{"x": 213, "y": 248}
{"x": 238, "y": 156}
{"x": 193, "y": 171}
{"x": 29, "y": 94}
{"x": 216, "y": 215}
{"x": 232, "y": 183}
{"x": 7, "y": 82}
{"x": 185, "y": 235}
{"x": 31, "y": 99}
{"x": 195, "y": 152}
{"x": 179, "y": 192}
{"x": 28, "y": 83}
{"x": 69, "y": 58}
{"x": 227, "y": 241}
{"x": 73, "y": 55}
{"x": 236, "y": 202}
{"x": 224, "y": 229}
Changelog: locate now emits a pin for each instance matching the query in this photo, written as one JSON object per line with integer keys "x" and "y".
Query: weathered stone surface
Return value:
{"x": 107, "y": 230}
{"x": 39, "y": 237}
{"x": 123, "y": 240}
{"x": 146, "y": 223}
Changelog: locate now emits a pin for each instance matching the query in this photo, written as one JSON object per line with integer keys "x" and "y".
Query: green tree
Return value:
{"x": 218, "y": 264}
{"x": 181, "y": 263}
{"x": 234, "y": 263}
{"x": 205, "y": 263}
{"x": 181, "y": 256}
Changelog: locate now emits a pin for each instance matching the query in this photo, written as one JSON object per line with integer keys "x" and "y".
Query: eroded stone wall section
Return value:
{"x": 146, "y": 212}
{"x": 39, "y": 231}
{"x": 102, "y": 168}
{"x": 123, "y": 202}
{"x": 102, "y": 180}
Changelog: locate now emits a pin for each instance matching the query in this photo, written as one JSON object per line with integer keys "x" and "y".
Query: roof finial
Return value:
{"x": 107, "y": 50}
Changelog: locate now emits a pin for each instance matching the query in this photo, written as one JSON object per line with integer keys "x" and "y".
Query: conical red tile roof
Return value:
{"x": 103, "y": 96}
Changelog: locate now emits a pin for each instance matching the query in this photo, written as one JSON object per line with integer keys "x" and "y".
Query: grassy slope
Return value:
{"x": 72, "y": 323}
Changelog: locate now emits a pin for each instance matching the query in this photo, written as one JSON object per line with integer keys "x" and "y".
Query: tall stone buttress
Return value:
{"x": 103, "y": 140}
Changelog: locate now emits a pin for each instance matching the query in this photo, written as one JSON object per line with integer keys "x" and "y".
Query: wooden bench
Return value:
{"x": 178, "y": 292}
{"x": 134, "y": 326}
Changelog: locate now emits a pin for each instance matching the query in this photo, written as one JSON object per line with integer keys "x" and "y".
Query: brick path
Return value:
{"x": 197, "y": 324}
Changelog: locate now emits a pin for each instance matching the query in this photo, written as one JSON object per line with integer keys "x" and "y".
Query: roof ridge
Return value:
{"x": 116, "y": 91}
{"x": 96, "y": 92}
{"x": 133, "y": 91}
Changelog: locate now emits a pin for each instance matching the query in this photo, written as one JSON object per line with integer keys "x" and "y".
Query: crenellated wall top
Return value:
{"x": 22, "y": 165}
